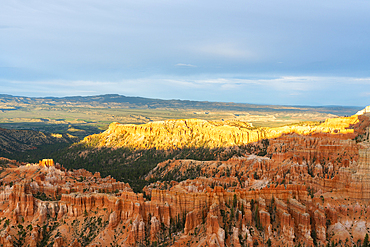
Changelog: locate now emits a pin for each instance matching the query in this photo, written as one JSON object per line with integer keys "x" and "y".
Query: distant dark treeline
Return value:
{"x": 33, "y": 156}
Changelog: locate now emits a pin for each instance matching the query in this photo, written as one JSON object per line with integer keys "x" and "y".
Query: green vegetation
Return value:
{"x": 78, "y": 130}
{"x": 82, "y": 116}
{"x": 34, "y": 155}
{"x": 20, "y": 237}
{"x": 128, "y": 165}
{"x": 3, "y": 163}
{"x": 86, "y": 230}
{"x": 43, "y": 197}
{"x": 310, "y": 191}
{"x": 46, "y": 232}
{"x": 366, "y": 241}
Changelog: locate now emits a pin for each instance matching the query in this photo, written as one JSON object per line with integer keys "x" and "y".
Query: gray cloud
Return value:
{"x": 125, "y": 41}
{"x": 281, "y": 90}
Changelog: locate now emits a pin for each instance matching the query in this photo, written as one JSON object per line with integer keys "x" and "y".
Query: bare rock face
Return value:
{"x": 194, "y": 132}
{"x": 302, "y": 220}
{"x": 154, "y": 228}
{"x": 216, "y": 235}
{"x": 113, "y": 220}
{"x": 320, "y": 226}
{"x": 137, "y": 232}
{"x": 58, "y": 242}
{"x": 46, "y": 162}
{"x": 364, "y": 111}
{"x": 309, "y": 189}
{"x": 235, "y": 237}
{"x": 193, "y": 219}
{"x": 247, "y": 219}
{"x": 6, "y": 239}
{"x": 75, "y": 243}
{"x": 285, "y": 220}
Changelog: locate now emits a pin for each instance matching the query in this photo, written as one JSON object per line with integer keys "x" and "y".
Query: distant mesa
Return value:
{"x": 195, "y": 133}
{"x": 121, "y": 101}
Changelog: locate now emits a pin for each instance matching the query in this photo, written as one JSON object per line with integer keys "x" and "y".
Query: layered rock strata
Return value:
{"x": 308, "y": 190}
{"x": 195, "y": 133}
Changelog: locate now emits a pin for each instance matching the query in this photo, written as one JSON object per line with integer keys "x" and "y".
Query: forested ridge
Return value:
{"x": 129, "y": 165}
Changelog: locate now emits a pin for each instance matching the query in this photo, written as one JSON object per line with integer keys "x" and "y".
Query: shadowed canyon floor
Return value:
{"x": 310, "y": 187}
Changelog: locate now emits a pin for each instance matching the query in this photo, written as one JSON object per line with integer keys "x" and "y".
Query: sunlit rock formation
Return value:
{"x": 364, "y": 111}
{"x": 310, "y": 188}
{"x": 195, "y": 133}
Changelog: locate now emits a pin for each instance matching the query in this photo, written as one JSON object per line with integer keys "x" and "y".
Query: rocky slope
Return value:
{"x": 4, "y": 162}
{"x": 311, "y": 188}
{"x": 131, "y": 151}
{"x": 366, "y": 110}
{"x": 200, "y": 133}
{"x": 21, "y": 140}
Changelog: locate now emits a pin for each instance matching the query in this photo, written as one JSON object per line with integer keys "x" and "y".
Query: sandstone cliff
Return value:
{"x": 310, "y": 189}
{"x": 200, "y": 133}
{"x": 366, "y": 110}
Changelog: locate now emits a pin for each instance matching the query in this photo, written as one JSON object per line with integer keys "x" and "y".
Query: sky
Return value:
{"x": 286, "y": 52}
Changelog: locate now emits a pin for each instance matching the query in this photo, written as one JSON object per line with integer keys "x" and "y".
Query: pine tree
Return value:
{"x": 366, "y": 241}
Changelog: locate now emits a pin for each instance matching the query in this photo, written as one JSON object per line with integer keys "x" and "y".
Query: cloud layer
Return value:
{"x": 294, "y": 90}
{"x": 276, "y": 52}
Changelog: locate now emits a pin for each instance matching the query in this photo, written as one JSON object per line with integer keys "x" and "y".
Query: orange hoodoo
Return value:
{"x": 46, "y": 162}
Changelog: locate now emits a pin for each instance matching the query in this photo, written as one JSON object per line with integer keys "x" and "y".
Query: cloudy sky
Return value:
{"x": 252, "y": 51}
